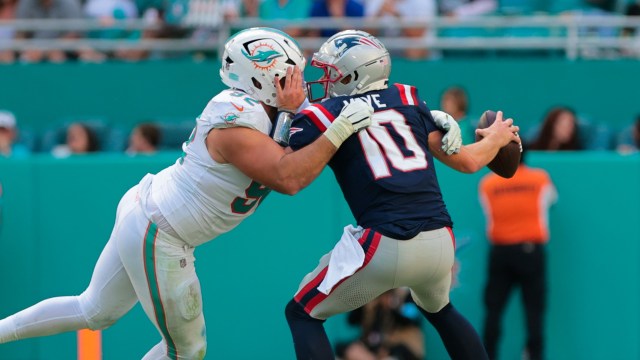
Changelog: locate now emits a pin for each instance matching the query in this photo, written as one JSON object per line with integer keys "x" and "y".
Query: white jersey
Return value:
{"x": 198, "y": 197}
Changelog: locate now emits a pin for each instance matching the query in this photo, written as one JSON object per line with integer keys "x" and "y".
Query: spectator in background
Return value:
{"x": 354, "y": 351}
{"x": 629, "y": 139}
{"x": 604, "y": 6}
{"x": 8, "y": 135}
{"x": 516, "y": 211}
{"x": 462, "y": 10}
{"x": 144, "y": 139}
{"x": 390, "y": 11}
{"x": 389, "y": 328}
{"x": 455, "y": 102}
{"x": 236, "y": 9}
{"x": 7, "y": 12}
{"x": 53, "y": 10}
{"x": 81, "y": 139}
{"x": 286, "y": 9}
{"x": 559, "y": 131}
{"x": 467, "y": 8}
{"x": 167, "y": 17}
{"x": 107, "y": 12}
{"x": 334, "y": 9}
{"x": 632, "y": 9}
{"x": 268, "y": 10}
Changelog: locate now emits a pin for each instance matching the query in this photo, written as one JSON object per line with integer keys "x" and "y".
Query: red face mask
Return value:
{"x": 331, "y": 75}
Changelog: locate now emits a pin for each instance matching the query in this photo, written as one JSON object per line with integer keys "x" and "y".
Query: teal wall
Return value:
{"x": 58, "y": 215}
{"x": 126, "y": 93}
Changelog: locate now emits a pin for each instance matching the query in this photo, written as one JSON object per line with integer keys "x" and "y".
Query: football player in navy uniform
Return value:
{"x": 403, "y": 236}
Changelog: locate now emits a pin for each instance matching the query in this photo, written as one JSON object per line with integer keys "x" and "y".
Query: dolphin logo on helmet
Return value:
{"x": 262, "y": 56}
{"x": 253, "y": 57}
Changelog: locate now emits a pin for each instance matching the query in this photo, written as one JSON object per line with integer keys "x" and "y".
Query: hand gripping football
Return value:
{"x": 507, "y": 160}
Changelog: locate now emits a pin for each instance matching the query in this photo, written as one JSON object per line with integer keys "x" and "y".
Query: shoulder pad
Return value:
{"x": 232, "y": 109}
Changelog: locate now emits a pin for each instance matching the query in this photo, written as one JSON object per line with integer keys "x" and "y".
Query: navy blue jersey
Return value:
{"x": 386, "y": 171}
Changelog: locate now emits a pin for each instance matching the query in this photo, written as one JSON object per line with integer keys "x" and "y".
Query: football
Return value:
{"x": 507, "y": 160}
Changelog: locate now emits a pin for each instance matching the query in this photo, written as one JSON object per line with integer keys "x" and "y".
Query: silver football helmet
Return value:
{"x": 353, "y": 62}
{"x": 254, "y": 56}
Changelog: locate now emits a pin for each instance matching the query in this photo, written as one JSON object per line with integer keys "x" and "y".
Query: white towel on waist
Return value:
{"x": 346, "y": 258}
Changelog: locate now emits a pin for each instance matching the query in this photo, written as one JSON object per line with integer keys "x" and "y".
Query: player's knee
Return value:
{"x": 95, "y": 315}
{"x": 100, "y": 321}
{"x": 429, "y": 302}
{"x": 190, "y": 342}
{"x": 198, "y": 349}
{"x": 294, "y": 311}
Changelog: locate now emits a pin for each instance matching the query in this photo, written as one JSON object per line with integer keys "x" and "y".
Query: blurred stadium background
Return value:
{"x": 522, "y": 56}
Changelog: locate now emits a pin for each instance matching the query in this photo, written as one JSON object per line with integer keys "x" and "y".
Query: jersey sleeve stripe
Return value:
{"x": 326, "y": 113}
{"x": 318, "y": 116}
{"x": 407, "y": 94}
{"x": 403, "y": 96}
{"x": 414, "y": 95}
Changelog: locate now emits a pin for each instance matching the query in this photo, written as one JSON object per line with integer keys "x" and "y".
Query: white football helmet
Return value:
{"x": 254, "y": 56}
{"x": 353, "y": 62}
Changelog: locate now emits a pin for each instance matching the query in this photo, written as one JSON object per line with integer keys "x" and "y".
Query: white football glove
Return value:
{"x": 452, "y": 139}
{"x": 354, "y": 117}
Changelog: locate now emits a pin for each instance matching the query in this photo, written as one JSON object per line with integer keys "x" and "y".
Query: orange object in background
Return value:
{"x": 89, "y": 345}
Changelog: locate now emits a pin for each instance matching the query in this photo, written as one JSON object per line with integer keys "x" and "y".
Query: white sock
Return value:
{"x": 48, "y": 317}
{"x": 7, "y": 330}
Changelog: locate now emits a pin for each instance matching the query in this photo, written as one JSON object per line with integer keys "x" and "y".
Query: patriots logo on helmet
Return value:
{"x": 345, "y": 43}
{"x": 263, "y": 56}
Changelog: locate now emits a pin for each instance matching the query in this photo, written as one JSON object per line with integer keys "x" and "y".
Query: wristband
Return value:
{"x": 340, "y": 129}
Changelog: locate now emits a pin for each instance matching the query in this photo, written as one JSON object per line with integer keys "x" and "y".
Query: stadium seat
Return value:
{"x": 29, "y": 138}
{"x": 118, "y": 138}
{"x": 173, "y": 134}
{"x": 561, "y": 6}
{"x": 521, "y": 7}
{"x": 598, "y": 138}
{"x": 56, "y": 135}
{"x": 624, "y": 136}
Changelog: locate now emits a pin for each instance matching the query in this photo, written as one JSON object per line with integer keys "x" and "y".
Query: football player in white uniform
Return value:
{"x": 228, "y": 166}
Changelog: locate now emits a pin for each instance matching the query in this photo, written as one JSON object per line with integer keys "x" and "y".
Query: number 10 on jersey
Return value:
{"x": 389, "y": 141}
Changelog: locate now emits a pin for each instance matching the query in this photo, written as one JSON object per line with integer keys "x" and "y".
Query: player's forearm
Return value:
{"x": 480, "y": 154}
{"x": 299, "y": 168}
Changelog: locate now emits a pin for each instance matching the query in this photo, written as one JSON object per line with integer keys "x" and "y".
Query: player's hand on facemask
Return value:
{"x": 452, "y": 140}
{"x": 290, "y": 92}
{"x": 354, "y": 117}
